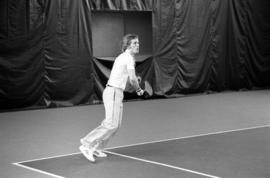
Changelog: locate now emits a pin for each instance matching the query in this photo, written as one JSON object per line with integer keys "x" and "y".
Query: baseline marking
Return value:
{"x": 143, "y": 143}
{"x": 37, "y": 170}
{"x": 49, "y": 157}
{"x": 157, "y": 141}
{"x": 136, "y": 144}
{"x": 191, "y": 136}
{"x": 165, "y": 165}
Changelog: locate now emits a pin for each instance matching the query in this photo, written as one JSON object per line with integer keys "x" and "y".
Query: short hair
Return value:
{"x": 127, "y": 40}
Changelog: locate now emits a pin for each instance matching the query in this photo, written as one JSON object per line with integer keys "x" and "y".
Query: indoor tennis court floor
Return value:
{"x": 222, "y": 135}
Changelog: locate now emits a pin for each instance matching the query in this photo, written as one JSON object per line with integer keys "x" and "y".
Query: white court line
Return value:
{"x": 157, "y": 141}
{"x": 191, "y": 136}
{"x": 143, "y": 143}
{"x": 50, "y": 157}
{"x": 20, "y": 164}
{"x": 37, "y": 170}
{"x": 165, "y": 165}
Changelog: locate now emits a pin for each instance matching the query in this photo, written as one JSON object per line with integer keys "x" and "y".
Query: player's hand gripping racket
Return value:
{"x": 148, "y": 90}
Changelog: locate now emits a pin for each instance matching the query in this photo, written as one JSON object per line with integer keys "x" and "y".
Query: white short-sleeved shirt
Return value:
{"x": 119, "y": 74}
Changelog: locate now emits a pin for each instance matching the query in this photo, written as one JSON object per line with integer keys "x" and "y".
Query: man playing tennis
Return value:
{"x": 123, "y": 71}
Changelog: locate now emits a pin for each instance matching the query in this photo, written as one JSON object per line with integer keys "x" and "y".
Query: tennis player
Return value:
{"x": 123, "y": 71}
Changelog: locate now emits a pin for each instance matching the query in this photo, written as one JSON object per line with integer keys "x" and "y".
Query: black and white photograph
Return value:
{"x": 134, "y": 89}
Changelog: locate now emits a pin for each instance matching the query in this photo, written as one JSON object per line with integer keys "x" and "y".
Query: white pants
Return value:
{"x": 113, "y": 103}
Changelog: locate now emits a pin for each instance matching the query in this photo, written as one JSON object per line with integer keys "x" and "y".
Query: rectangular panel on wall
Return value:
{"x": 140, "y": 23}
{"x": 107, "y": 31}
{"x": 108, "y": 28}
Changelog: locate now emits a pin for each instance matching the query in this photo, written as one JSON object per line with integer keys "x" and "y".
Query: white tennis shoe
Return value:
{"x": 88, "y": 153}
{"x": 100, "y": 154}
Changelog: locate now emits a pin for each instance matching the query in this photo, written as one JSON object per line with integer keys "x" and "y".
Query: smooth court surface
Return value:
{"x": 236, "y": 154}
{"x": 35, "y": 134}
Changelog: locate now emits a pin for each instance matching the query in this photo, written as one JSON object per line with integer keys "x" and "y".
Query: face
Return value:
{"x": 134, "y": 46}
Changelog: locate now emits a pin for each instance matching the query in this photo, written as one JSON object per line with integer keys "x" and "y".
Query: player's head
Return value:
{"x": 130, "y": 42}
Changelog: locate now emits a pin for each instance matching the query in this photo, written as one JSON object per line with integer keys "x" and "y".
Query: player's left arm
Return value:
{"x": 133, "y": 79}
{"x": 132, "y": 76}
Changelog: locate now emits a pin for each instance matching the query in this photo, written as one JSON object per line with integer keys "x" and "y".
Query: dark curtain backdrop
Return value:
{"x": 249, "y": 43}
{"x": 21, "y": 56}
{"x": 198, "y": 46}
{"x": 67, "y": 52}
